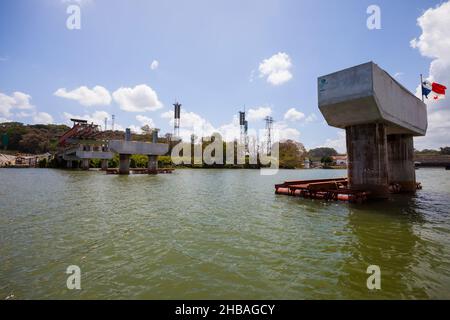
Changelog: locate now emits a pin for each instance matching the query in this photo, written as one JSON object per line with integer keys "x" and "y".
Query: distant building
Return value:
{"x": 25, "y": 161}
{"x": 306, "y": 163}
{"x": 340, "y": 160}
{"x": 316, "y": 164}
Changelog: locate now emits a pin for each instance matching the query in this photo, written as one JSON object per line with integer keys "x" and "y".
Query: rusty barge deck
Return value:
{"x": 323, "y": 189}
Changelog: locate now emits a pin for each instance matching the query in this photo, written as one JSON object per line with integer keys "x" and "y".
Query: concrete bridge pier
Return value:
{"x": 380, "y": 117}
{"x": 368, "y": 159}
{"x": 85, "y": 164}
{"x": 124, "y": 163}
{"x": 401, "y": 161}
{"x": 152, "y": 164}
{"x": 153, "y": 159}
{"x": 126, "y": 148}
{"x": 104, "y": 164}
{"x": 69, "y": 164}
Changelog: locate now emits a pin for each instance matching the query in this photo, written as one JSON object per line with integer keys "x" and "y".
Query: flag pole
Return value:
{"x": 421, "y": 85}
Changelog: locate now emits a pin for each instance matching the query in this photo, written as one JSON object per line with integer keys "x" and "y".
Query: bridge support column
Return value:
{"x": 152, "y": 164}
{"x": 104, "y": 164}
{"x": 367, "y": 158}
{"x": 401, "y": 161}
{"x": 124, "y": 164}
{"x": 85, "y": 164}
{"x": 69, "y": 164}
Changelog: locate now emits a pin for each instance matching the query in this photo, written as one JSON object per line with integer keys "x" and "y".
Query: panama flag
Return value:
{"x": 438, "y": 90}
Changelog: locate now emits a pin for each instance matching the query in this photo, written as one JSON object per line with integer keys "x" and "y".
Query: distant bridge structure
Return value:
{"x": 84, "y": 141}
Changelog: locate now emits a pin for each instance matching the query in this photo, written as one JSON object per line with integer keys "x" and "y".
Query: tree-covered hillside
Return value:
{"x": 34, "y": 139}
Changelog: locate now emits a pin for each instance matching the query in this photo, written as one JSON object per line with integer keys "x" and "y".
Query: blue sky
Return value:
{"x": 208, "y": 53}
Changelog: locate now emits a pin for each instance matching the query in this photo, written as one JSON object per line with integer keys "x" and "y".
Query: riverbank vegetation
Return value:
{"x": 31, "y": 139}
{"x": 17, "y": 137}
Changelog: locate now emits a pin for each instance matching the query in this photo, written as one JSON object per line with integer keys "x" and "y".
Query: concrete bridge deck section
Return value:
{"x": 137, "y": 147}
{"x": 82, "y": 143}
{"x": 85, "y": 154}
{"x": 367, "y": 94}
{"x": 380, "y": 117}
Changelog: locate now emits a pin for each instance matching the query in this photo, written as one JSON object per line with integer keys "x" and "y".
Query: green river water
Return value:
{"x": 216, "y": 234}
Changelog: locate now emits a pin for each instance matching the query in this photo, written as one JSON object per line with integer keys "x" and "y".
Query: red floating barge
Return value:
{"x": 324, "y": 189}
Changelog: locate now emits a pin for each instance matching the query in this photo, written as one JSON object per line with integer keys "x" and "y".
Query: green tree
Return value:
{"x": 326, "y": 160}
{"x": 319, "y": 153}
{"x": 42, "y": 163}
{"x": 445, "y": 150}
{"x": 291, "y": 154}
{"x": 138, "y": 161}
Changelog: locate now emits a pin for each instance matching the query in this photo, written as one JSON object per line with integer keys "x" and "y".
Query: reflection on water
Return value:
{"x": 393, "y": 246}
{"x": 216, "y": 234}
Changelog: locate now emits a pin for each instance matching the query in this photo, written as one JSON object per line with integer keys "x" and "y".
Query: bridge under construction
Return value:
{"x": 85, "y": 141}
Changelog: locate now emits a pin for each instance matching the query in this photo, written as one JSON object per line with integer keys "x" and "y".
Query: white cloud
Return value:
{"x": 18, "y": 100}
{"x": 135, "y": 129}
{"x": 434, "y": 43}
{"x": 311, "y": 118}
{"x": 2, "y": 120}
{"x": 294, "y": 115}
{"x": 438, "y": 131}
{"x": 42, "y": 118}
{"x": 154, "y": 65}
{"x": 276, "y": 69}
{"x": 143, "y": 120}
{"x": 138, "y": 99}
{"x": 231, "y": 131}
{"x": 23, "y": 114}
{"x": 191, "y": 123}
{"x": 97, "y": 96}
{"x": 282, "y": 132}
{"x": 339, "y": 143}
{"x": 256, "y": 114}
{"x": 22, "y": 101}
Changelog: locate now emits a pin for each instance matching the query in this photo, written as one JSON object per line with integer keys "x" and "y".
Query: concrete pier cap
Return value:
{"x": 126, "y": 148}
{"x": 380, "y": 117}
{"x": 137, "y": 147}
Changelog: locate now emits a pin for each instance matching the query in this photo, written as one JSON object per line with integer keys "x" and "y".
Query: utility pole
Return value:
{"x": 176, "y": 122}
{"x": 269, "y": 128}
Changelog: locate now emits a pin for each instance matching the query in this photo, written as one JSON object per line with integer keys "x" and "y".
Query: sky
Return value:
{"x": 134, "y": 59}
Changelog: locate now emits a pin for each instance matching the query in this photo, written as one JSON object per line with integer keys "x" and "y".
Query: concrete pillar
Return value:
{"x": 104, "y": 164}
{"x": 69, "y": 164}
{"x": 85, "y": 164}
{"x": 127, "y": 134}
{"x": 401, "y": 161}
{"x": 155, "y": 136}
{"x": 367, "y": 158}
{"x": 152, "y": 164}
{"x": 124, "y": 164}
